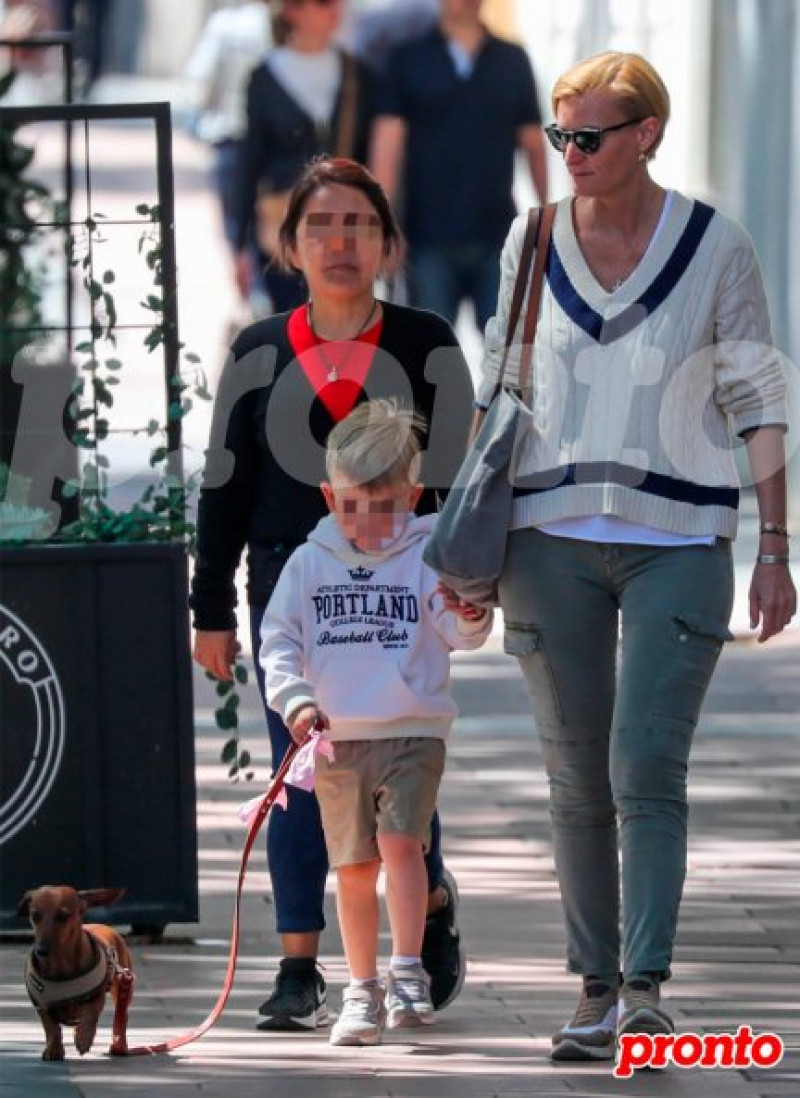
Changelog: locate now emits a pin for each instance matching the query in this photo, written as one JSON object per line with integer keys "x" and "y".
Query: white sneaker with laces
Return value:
{"x": 363, "y": 1016}
{"x": 408, "y": 997}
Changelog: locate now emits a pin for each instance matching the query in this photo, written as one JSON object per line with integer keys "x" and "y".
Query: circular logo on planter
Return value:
{"x": 33, "y": 718}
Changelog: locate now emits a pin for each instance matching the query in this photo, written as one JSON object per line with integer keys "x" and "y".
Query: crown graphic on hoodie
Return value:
{"x": 361, "y": 573}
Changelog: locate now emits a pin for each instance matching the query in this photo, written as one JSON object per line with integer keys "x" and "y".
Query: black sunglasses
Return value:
{"x": 588, "y": 139}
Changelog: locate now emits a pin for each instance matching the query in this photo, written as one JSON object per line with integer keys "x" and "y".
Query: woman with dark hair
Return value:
{"x": 288, "y": 380}
{"x": 307, "y": 97}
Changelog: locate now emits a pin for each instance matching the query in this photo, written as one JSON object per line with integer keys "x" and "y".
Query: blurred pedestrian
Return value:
{"x": 306, "y": 98}
{"x": 378, "y": 27}
{"x": 453, "y": 108}
{"x": 233, "y": 41}
{"x": 289, "y": 380}
{"x": 653, "y": 346}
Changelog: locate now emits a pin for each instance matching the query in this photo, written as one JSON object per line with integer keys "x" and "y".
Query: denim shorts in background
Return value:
{"x": 374, "y": 787}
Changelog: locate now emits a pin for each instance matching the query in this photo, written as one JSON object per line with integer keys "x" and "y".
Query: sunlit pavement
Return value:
{"x": 738, "y": 954}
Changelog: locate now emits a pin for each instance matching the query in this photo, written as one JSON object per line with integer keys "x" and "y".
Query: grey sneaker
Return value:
{"x": 363, "y": 1016}
{"x": 591, "y": 1032}
{"x": 640, "y": 1008}
{"x": 408, "y": 998}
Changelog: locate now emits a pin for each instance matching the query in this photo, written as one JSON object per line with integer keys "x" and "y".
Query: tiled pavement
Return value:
{"x": 737, "y": 961}
{"x": 738, "y": 955}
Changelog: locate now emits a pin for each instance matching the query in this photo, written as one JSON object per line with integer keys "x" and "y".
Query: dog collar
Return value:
{"x": 45, "y": 993}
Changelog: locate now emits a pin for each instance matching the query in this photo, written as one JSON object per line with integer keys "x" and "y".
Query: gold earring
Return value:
{"x": 642, "y": 155}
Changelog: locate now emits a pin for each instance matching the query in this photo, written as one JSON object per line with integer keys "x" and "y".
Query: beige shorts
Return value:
{"x": 374, "y": 787}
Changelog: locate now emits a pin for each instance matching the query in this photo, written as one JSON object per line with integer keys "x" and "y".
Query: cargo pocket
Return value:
{"x": 694, "y": 647}
{"x": 526, "y": 643}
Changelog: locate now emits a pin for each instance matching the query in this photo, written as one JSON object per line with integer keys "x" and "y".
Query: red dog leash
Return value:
{"x": 126, "y": 984}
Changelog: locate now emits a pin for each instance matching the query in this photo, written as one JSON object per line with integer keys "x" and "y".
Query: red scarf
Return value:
{"x": 352, "y": 359}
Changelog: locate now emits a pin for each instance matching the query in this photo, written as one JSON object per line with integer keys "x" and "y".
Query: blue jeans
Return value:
{"x": 439, "y": 279}
{"x": 616, "y": 720}
{"x": 296, "y": 855}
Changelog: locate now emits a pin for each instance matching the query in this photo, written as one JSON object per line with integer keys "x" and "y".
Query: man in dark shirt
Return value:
{"x": 455, "y": 105}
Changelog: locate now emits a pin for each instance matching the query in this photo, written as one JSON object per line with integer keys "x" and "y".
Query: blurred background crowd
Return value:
{"x": 730, "y": 65}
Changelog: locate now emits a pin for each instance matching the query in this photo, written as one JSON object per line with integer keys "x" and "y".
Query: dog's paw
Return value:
{"x": 84, "y": 1039}
{"x": 53, "y": 1053}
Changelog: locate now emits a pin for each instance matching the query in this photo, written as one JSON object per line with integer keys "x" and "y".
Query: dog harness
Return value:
{"x": 46, "y": 994}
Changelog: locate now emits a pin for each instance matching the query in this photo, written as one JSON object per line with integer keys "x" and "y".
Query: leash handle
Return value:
{"x": 193, "y": 1035}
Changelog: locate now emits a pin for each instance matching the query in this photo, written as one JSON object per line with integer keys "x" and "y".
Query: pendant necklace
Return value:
{"x": 334, "y": 368}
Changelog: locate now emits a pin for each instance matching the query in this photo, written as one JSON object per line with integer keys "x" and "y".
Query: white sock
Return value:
{"x": 404, "y": 962}
{"x": 364, "y": 983}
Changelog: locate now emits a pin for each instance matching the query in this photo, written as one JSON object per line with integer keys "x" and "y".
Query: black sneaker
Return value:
{"x": 298, "y": 1000}
{"x": 443, "y": 956}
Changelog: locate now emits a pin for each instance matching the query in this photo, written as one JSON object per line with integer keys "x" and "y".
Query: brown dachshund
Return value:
{"x": 72, "y": 967}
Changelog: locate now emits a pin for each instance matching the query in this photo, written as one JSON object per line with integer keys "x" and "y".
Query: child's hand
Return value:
{"x": 303, "y": 720}
{"x": 467, "y": 610}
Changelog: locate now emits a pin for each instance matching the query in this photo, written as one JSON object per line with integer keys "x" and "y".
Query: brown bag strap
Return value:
{"x": 537, "y": 235}
{"x": 535, "y": 296}
{"x": 346, "y": 127}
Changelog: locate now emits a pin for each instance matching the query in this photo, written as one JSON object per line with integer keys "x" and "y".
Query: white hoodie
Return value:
{"x": 364, "y": 636}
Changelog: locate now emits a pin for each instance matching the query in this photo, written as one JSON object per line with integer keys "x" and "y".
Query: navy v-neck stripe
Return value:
{"x": 607, "y": 331}
{"x": 626, "y": 476}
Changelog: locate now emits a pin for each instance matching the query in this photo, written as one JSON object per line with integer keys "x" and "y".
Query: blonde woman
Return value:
{"x": 653, "y": 347}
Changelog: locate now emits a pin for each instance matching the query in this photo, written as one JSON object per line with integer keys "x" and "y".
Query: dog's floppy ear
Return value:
{"x": 100, "y": 897}
{"x": 24, "y": 905}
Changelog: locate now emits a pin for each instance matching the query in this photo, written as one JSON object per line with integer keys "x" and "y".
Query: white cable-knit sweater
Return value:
{"x": 636, "y": 393}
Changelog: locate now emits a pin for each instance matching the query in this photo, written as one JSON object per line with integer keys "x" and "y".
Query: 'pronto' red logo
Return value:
{"x": 742, "y": 1049}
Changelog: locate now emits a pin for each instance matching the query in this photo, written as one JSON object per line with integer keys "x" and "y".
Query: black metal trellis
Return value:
{"x": 65, "y": 44}
{"x": 159, "y": 116}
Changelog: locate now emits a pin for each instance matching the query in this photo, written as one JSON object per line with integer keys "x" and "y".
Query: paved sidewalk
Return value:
{"x": 737, "y": 962}
{"x": 738, "y": 956}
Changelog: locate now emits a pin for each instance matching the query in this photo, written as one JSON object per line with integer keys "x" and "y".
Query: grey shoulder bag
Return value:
{"x": 467, "y": 546}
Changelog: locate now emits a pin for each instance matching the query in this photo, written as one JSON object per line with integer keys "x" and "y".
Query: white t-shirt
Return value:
{"x": 311, "y": 79}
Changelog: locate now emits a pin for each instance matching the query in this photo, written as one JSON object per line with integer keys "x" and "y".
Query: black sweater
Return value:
{"x": 280, "y": 138}
{"x": 266, "y": 456}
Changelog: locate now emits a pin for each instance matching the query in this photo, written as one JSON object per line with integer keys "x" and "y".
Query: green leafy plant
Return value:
{"x": 235, "y": 756}
{"x": 159, "y": 513}
{"x": 27, "y": 213}
{"x": 21, "y": 200}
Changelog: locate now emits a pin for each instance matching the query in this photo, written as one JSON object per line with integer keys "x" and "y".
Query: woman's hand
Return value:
{"x": 773, "y": 599}
{"x": 216, "y": 650}
{"x": 301, "y": 722}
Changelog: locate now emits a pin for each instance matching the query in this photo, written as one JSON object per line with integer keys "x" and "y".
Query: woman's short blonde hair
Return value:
{"x": 376, "y": 446}
{"x": 629, "y": 77}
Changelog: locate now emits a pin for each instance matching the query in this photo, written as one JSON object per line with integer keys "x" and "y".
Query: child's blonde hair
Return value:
{"x": 377, "y": 445}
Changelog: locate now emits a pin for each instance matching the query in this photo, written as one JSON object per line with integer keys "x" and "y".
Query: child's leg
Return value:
{"x": 406, "y": 891}
{"x": 357, "y": 905}
{"x": 408, "y": 999}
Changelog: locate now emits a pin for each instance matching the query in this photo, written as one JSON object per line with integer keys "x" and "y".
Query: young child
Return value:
{"x": 356, "y": 639}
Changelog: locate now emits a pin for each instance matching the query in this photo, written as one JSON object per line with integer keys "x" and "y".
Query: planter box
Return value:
{"x": 97, "y": 782}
